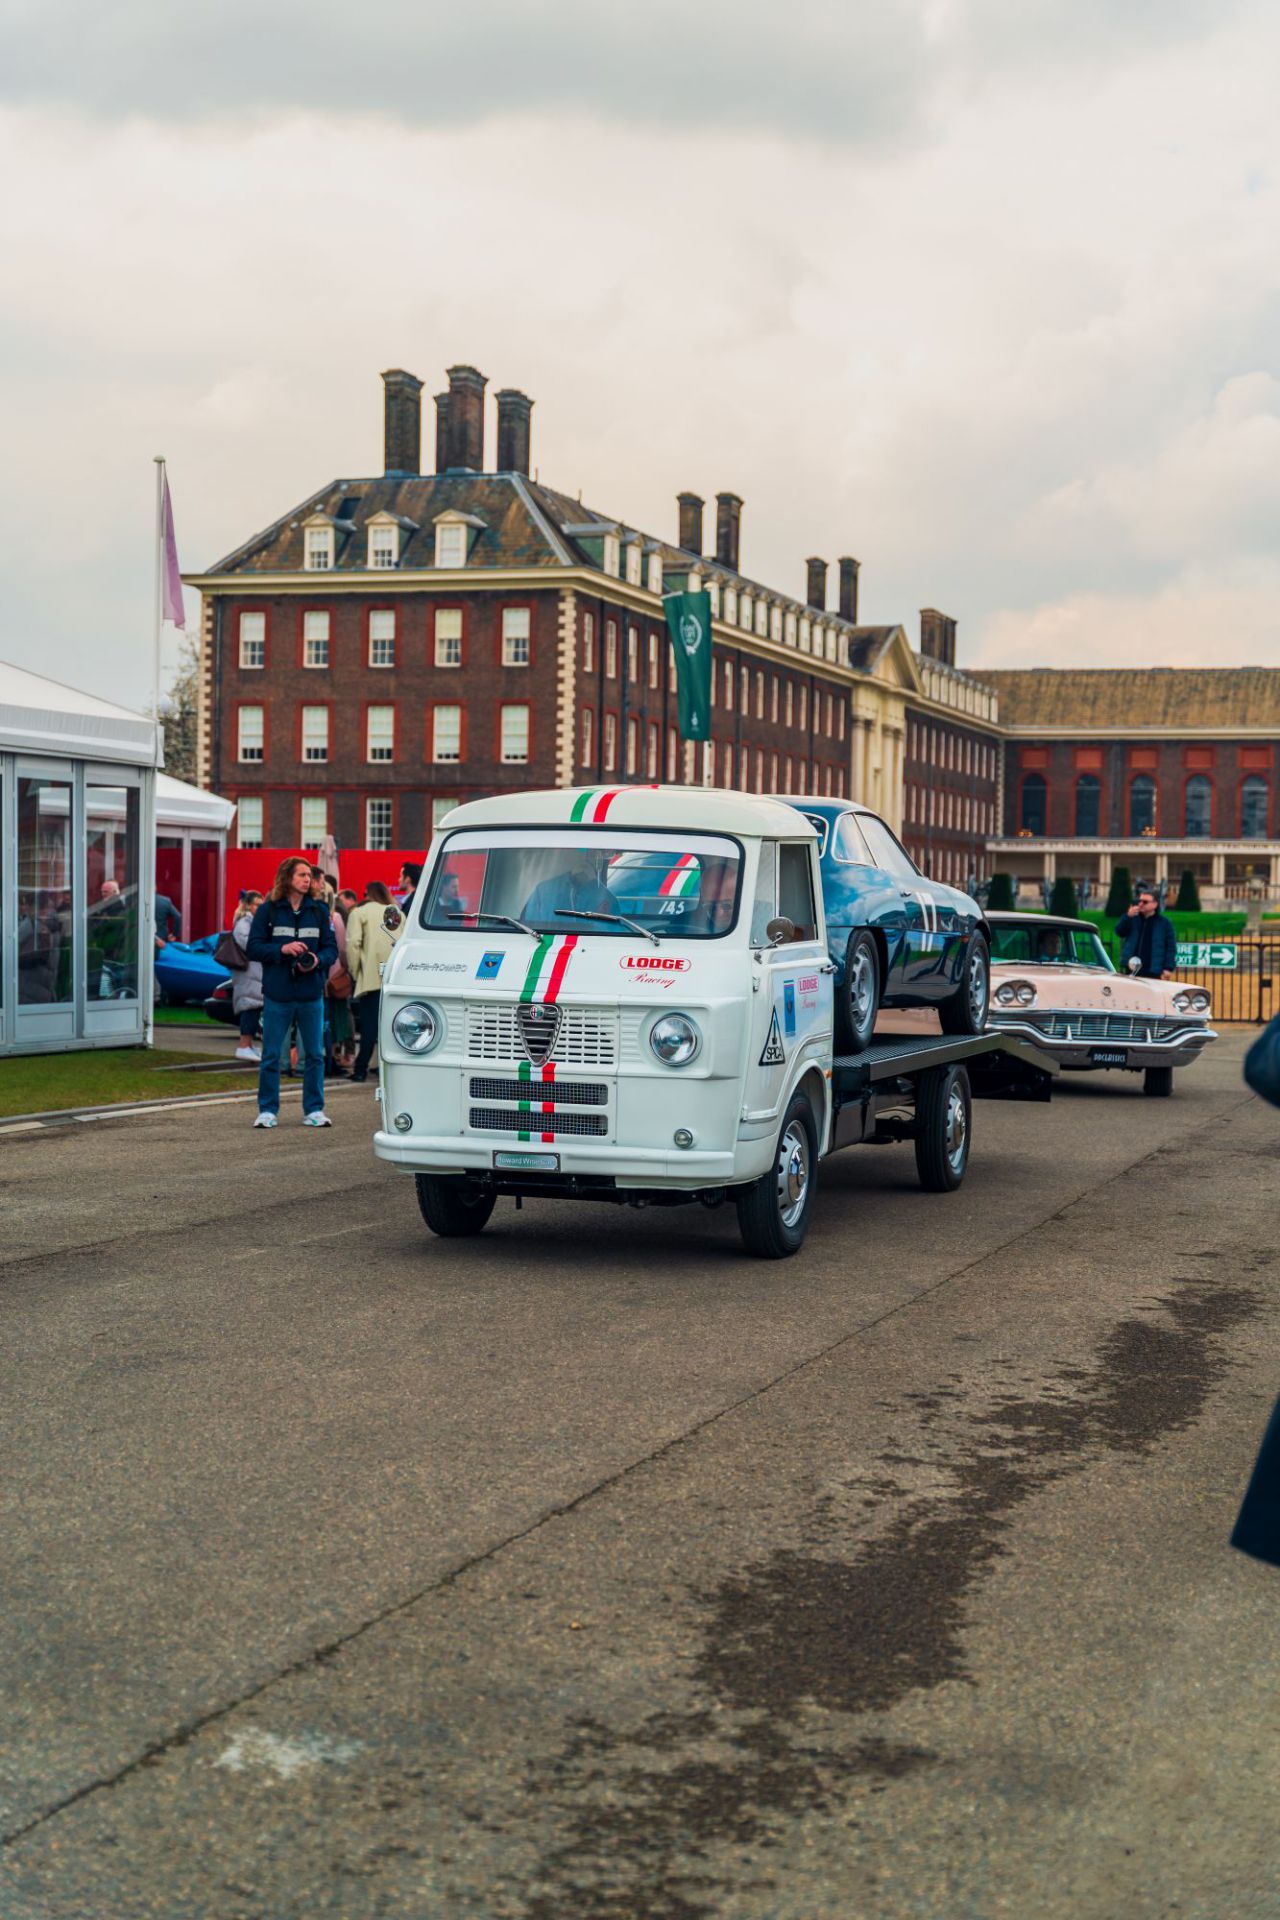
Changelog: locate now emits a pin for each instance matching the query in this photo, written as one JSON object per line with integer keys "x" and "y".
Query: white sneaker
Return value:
{"x": 247, "y": 1053}
{"x": 266, "y": 1120}
{"x": 316, "y": 1120}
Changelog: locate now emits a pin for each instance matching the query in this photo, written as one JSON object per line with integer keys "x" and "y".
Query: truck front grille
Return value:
{"x": 508, "y": 1120}
{"x": 562, "y": 1093}
{"x": 588, "y": 1036}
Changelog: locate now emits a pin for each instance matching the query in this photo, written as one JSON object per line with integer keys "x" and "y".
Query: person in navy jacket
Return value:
{"x": 292, "y": 938}
{"x": 1147, "y": 935}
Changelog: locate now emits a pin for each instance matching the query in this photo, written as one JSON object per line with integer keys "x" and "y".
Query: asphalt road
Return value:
{"x": 590, "y": 1571}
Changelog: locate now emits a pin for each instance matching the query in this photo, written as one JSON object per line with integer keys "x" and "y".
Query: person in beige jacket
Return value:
{"x": 372, "y": 931}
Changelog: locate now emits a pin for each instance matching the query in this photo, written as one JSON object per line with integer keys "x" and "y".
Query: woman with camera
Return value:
{"x": 292, "y": 938}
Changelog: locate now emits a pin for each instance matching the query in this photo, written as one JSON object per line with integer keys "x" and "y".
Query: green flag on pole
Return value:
{"x": 689, "y": 622}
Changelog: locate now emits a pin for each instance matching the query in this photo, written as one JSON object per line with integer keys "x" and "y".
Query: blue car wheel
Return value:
{"x": 858, "y": 994}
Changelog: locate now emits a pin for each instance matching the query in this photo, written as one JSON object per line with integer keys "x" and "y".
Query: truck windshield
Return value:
{"x": 552, "y": 879}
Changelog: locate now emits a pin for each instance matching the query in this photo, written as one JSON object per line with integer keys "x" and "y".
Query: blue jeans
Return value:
{"x": 277, "y": 1017}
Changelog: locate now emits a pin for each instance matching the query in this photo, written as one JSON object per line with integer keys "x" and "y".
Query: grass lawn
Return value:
{"x": 189, "y": 1016}
{"x": 45, "y": 1082}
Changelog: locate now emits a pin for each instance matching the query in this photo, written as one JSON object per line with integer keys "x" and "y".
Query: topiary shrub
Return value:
{"x": 1064, "y": 899}
{"x": 1000, "y": 893}
{"x": 1188, "y": 900}
{"x": 1120, "y": 898}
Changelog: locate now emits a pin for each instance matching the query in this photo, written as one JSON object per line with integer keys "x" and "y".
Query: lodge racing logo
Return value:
{"x": 654, "y": 969}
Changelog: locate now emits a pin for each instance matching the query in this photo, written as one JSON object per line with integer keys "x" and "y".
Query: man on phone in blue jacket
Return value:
{"x": 1147, "y": 935}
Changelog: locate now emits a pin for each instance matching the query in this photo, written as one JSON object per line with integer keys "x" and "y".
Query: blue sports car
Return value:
{"x": 897, "y": 938}
{"x": 186, "y": 970}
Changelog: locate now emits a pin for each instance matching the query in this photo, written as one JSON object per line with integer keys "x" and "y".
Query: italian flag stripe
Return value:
{"x": 545, "y": 943}
{"x": 523, "y": 1073}
{"x": 603, "y": 805}
{"x": 548, "y": 1106}
{"x": 560, "y": 963}
{"x": 581, "y": 804}
{"x": 680, "y": 875}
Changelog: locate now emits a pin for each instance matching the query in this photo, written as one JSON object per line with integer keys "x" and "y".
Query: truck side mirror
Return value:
{"x": 780, "y": 931}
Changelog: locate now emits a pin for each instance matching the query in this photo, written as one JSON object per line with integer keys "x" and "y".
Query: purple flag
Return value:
{"x": 170, "y": 573}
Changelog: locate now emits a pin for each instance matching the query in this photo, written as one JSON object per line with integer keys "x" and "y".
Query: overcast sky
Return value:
{"x": 985, "y": 292}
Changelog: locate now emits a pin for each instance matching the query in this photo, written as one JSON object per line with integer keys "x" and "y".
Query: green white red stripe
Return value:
{"x": 593, "y": 804}
{"x": 559, "y": 950}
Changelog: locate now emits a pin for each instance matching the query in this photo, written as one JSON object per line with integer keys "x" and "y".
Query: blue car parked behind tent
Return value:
{"x": 897, "y": 938}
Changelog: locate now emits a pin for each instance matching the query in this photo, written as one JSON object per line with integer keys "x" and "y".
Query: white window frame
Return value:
{"x": 440, "y": 754}
{"x": 250, "y": 836}
{"x": 610, "y": 742}
{"x": 374, "y": 839}
{"x": 382, "y": 614}
{"x": 514, "y": 641}
{"x": 746, "y": 613}
{"x": 317, "y": 550}
{"x": 315, "y": 752}
{"x": 250, "y": 752}
{"x": 515, "y": 754}
{"x": 317, "y": 640}
{"x": 383, "y": 751}
{"x": 611, "y": 559}
{"x": 383, "y": 548}
{"x": 588, "y": 643}
{"x": 452, "y": 544}
{"x": 731, "y": 605}
{"x": 441, "y": 807}
{"x": 634, "y": 563}
{"x": 610, "y": 649}
{"x": 308, "y": 836}
{"x": 444, "y": 642}
{"x": 256, "y": 640}
{"x": 587, "y": 737}
{"x": 655, "y": 573}
{"x": 762, "y": 618}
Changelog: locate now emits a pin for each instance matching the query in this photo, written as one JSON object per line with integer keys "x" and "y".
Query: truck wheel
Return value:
{"x": 451, "y": 1207}
{"x": 944, "y": 1114}
{"x": 773, "y": 1212}
{"x": 966, "y": 1011}
{"x": 1158, "y": 1082}
{"x": 858, "y": 995}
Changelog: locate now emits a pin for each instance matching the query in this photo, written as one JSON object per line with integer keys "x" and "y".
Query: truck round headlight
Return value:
{"x": 417, "y": 1027}
{"x": 675, "y": 1039}
{"x": 1182, "y": 1002}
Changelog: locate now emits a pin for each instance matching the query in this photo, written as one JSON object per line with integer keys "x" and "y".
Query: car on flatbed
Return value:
{"x": 564, "y": 1019}
{"x": 895, "y": 937}
{"x": 1055, "y": 987}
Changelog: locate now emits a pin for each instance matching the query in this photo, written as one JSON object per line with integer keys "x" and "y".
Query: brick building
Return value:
{"x": 399, "y": 643}
{"x": 1159, "y": 769}
{"x": 954, "y": 762}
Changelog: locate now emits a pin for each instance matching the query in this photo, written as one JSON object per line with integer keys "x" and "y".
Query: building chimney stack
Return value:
{"x": 728, "y": 529}
{"x": 464, "y": 419}
{"x": 690, "y": 505}
{"x": 937, "y": 636}
{"x": 817, "y": 587}
{"x": 401, "y": 422}
{"x": 849, "y": 571}
{"x": 514, "y": 412}
{"x": 442, "y": 431}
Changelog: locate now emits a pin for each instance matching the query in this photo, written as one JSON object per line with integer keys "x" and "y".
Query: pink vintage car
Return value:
{"x": 1053, "y": 983}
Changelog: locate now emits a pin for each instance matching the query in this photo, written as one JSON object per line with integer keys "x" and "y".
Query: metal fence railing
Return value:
{"x": 1249, "y": 991}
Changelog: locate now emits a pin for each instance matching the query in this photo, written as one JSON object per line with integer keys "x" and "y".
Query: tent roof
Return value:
{"x": 180, "y": 805}
{"x": 43, "y": 716}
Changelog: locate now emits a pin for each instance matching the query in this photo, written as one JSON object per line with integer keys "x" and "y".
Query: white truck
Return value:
{"x": 626, "y": 995}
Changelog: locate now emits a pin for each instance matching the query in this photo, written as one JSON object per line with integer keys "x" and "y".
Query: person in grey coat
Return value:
{"x": 246, "y": 985}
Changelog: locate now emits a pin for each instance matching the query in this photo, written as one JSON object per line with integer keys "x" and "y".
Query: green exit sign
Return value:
{"x": 1208, "y": 953}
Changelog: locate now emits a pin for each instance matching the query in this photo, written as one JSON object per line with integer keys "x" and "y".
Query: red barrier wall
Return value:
{"x": 256, "y": 867}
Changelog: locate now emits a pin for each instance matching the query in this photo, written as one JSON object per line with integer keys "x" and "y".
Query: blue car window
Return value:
{"x": 818, "y": 821}
{"x": 886, "y": 852}
{"x": 847, "y": 843}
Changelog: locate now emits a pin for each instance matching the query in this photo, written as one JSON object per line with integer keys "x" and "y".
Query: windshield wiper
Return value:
{"x": 619, "y": 919}
{"x": 503, "y": 920}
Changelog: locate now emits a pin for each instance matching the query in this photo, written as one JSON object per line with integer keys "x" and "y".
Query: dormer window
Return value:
{"x": 655, "y": 573}
{"x": 634, "y": 559}
{"x": 318, "y": 550}
{"x": 789, "y": 630}
{"x": 731, "y": 604}
{"x": 775, "y": 623}
{"x": 806, "y": 634}
{"x": 762, "y": 619}
{"x": 713, "y": 593}
{"x": 451, "y": 544}
{"x": 384, "y": 545}
{"x": 746, "y": 614}
{"x": 611, "y": 558}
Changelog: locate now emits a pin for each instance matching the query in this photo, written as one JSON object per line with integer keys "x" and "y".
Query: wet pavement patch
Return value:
{"x": 659, "y": 1820}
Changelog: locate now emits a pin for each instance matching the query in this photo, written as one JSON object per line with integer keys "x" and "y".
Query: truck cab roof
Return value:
{"x": 685, "y": 809}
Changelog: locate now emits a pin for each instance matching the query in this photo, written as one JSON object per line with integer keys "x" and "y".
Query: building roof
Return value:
{"x": 1136, "y": 698}
{"x": 44, "y": 716}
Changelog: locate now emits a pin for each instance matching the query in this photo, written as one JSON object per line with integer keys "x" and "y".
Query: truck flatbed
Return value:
{"x": 999, "y": 1066}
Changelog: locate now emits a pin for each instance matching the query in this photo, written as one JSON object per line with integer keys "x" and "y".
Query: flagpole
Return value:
{"x": 155, "y": 656}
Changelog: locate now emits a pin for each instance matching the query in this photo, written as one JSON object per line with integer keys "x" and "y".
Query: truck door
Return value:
{"x": 792, "y": 1010}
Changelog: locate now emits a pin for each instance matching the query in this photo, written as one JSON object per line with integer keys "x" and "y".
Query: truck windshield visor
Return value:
{"x": 681, "y": 886}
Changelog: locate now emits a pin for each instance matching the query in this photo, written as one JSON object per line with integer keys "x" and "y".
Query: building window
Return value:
{"x": 745, "y": 613}
{"x": 653, "y": 659}
{"x": 610, "y": 742}
{"x": 806, "y": 635}
{"x": 250, "y": 734}
{"x": 1142, "y": 803}
{"x": 612, "y": 557}
{"x": 514, "y": 725}
{"x": 384, "y": 546}
{"x": 788, "y": 633}
{"x": 633, "y": 744}
{"x": 315, "y": 733}
{"x": 1198, "y": 809}
{"x": 1253, "y": 807}
{"x": 315, "y": 639}
{"x": 728, "y": 686}
{"x": 633, "y": 656}
{"x": 440, "y": 811}
{"x": 588, "y": 752}
{"x": 313, "y": 821}
{"x": 446, "y": 735}
{"x": 515, "y": 636}
{"x": 730, "y": 604}
{"x": 318, "y": 550}
{"x": 655, "y": 573}
{"x": 773, "y": 699}
{"x": 762, "y": 618}
{"x": 804, "y": 706}
{"x": 382, "y": 638}
{"x": 588, "y": 643}
{"x": 611, "y": 649}
{"x": 380, "y": 734}
{"x": 1088, "y": 805}
{"x": 633, "y": 563}
{"x": 451, "y": 544}
{"x": 759, "y": 695}
{"x": 1033, "y": 803}
{"x": 651, "y": 756}
{"x": 249, "y": 821}
{"x": 448, "y": 636}
{"x": 673, "y": 741}
{"x": 377, "y": 826}
{"x": 790, "y": 705}
{"x": 253, "y": 641}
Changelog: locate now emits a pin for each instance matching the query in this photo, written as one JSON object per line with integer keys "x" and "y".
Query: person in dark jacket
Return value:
{"x": 1257, "y": 1528}
{"x": 292, "y": 938}
{"x": 1147, "y": 935}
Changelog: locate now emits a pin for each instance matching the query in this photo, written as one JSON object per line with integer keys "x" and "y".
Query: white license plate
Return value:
{"x": 528, "y": 1162}
{"x": 1109, "y": 1056}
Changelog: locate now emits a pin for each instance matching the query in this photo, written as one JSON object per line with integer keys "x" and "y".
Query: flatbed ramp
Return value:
{"x": 999, "y": 1066}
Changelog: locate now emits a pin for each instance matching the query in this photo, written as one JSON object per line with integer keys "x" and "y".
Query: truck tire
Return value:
{"x": 858, "y": 995}
{"x": 452, "y": 1208}
{"x": 773, "y": 1212}
{"x": 944, "y": 1120}
{"x": 1158, "y": 1082}
{"x": 966, "y": 1011}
